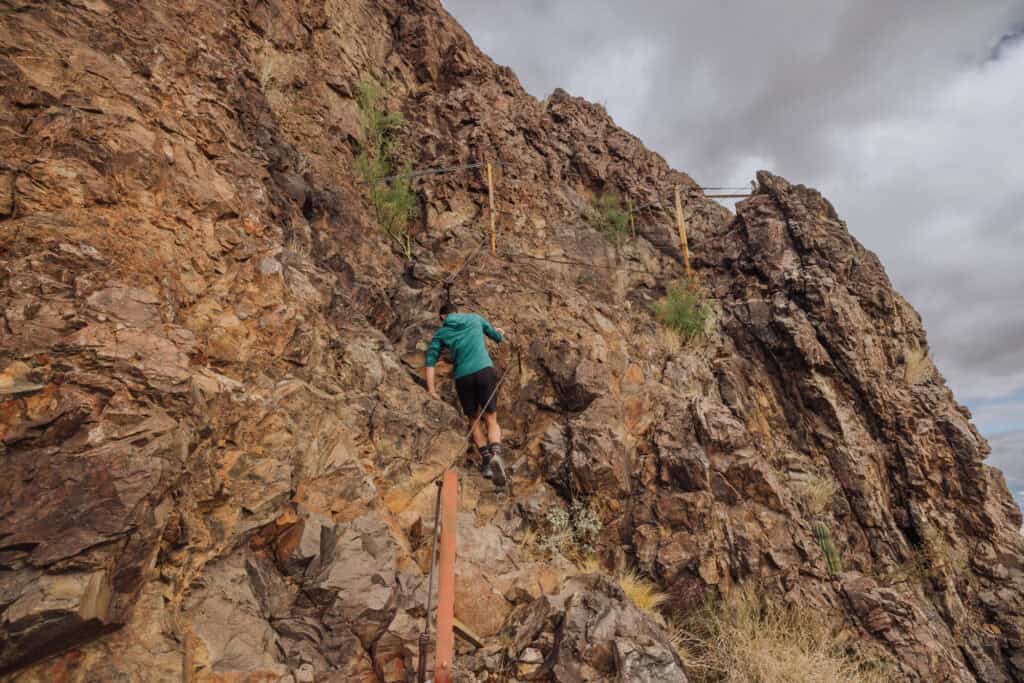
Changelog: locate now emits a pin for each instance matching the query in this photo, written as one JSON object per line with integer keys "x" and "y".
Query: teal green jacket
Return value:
{"x": 463, "y": 335}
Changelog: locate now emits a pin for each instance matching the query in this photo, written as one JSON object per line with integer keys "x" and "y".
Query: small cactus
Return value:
{"x": 823, "y": 536}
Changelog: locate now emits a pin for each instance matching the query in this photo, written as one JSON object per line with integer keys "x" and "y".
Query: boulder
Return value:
{"x": 355, "y": 578}
{"x": 598, "y": 636}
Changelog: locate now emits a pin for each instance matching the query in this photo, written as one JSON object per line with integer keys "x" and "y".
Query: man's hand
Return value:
{"x": 432, "y": 384}
{"x": 500, "y": 331}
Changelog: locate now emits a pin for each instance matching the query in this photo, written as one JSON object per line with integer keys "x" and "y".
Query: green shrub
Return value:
{"x": 683, "y": 309}
{"x": 611, "y": 218}
{"x": 394, "y": 202}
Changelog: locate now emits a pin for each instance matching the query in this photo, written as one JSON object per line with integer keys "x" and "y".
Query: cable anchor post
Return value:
{"x": 424, "y": 642}
{"x": 682, "y": 234}
{"x": 490, "y": 199}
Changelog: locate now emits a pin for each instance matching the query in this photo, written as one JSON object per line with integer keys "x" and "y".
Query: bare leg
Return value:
{"x": 479, "y": 437}
{"x": 493, "y": 430}
{"x": 494, "y": 438}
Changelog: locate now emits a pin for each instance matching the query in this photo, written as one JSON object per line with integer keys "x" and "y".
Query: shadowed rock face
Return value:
{"x": 216, "y": 463}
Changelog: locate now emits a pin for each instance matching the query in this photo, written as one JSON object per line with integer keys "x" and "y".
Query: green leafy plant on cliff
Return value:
{"x": 683, "y": 309}
{"x": 610, "y": 217}
{"x": 747, "y": 637}
{"x": 393, "y": 199}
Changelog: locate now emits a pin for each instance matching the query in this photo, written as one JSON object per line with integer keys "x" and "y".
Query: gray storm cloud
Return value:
{"x": 908, "y": 115}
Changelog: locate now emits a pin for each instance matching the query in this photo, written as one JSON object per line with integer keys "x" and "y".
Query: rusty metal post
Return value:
{"x": 425, "y": 635}
{"x": 682, "y": 233}
{"x": 446, "y": 580}
{"x": 490, "y": 197}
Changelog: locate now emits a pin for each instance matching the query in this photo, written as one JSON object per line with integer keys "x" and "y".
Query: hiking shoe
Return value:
{"x": 497, "y": 465}
{"x": 485, "y": 463}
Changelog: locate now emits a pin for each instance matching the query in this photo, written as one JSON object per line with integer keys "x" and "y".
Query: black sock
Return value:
{"x": 485, "y": 452}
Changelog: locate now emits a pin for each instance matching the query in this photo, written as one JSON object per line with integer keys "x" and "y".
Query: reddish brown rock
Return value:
{"x": 208, "y": 406}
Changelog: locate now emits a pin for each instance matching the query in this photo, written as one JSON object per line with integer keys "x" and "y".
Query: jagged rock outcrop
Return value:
{"x": 587, "y": 631}
{"x": 217, "y": 463}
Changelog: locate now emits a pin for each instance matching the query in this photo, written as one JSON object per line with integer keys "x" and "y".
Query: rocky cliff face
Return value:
{"x": 216, "y": 461}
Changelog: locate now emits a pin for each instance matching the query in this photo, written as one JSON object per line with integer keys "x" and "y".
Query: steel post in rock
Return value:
{"x": 490, "y": 198}
{"x": 425, "y": 635}
{"x": 446, "y": 580}
{"x": 682, "y": 233}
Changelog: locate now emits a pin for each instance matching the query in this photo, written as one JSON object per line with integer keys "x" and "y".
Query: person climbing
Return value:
{"x": 476, "y": 381}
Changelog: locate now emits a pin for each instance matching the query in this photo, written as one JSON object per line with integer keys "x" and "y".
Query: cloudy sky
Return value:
{"x": 908, "y": 115}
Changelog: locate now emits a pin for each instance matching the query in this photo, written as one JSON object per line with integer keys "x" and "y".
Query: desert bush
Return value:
{"x": 393, "y": 199}
{"x": 571, "y": 532}
{"x": 610, "y": 218}
{"x": 745, "y": 637}
{"x": 683, "y": 309}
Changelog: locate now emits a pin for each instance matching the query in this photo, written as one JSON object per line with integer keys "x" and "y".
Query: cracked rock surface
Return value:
{"x": 217, "y": 463}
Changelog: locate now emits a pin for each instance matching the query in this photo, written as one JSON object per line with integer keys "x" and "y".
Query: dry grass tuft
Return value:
{"x": 669, "y": 341}
{"x": 528, "y": 541}
{"x": 529, "y": 537}
{"x": 744, "y": 638}
{"x": 816, "y": 494}
{"x": 640, "y": 590}
{"x": 297, "y": 245}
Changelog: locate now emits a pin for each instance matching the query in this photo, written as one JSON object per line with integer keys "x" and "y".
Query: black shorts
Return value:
{"x": 474, "y": 390}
